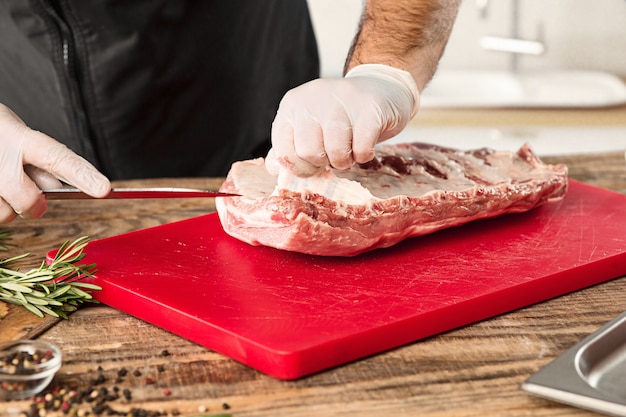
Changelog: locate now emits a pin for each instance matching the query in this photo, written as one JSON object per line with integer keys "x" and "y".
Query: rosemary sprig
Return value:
{"x": 53, "y": 289}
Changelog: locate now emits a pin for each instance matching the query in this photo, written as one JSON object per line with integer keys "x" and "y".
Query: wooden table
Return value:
{"x": 472, "y": 371}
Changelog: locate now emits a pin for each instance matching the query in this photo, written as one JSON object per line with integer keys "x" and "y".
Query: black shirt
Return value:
{"x": 155, "y": 88}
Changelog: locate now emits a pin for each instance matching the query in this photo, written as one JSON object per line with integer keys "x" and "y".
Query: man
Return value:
{"x": 157, "y": 89}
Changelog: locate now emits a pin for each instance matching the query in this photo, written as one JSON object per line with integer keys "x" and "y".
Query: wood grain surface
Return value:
{"x": 472, "y": 371}
{"x": 555, "y": 117}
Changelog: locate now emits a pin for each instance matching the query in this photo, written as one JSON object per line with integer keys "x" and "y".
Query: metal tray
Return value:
{"x": 590, "y": 375}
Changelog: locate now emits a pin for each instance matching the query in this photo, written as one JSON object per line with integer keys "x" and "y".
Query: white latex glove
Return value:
{"x": 31, "y": 161}
{"x": 337, "y": 122}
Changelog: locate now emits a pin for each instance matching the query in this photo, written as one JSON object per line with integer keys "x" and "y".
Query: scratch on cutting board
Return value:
{"x": 594, "y": 247}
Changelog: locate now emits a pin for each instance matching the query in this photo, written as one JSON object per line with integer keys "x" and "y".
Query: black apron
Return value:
{"x": 155, "y": 88}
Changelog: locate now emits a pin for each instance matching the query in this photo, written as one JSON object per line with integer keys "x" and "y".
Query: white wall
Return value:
{"x": 335, "y": 23}
{"x": 578, "y": 34}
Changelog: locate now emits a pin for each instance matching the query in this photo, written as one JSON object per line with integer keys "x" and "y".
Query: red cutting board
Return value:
{"x": 289, "y": 315}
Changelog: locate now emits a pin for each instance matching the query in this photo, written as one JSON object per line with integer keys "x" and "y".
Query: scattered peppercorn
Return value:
{"x": 99, "y": 380}
{"x": 70, "y": 401}
{"x": 127, "y": 395}
{"x": 96, "y": 400}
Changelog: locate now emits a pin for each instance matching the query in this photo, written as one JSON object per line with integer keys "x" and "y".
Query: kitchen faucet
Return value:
{"x": 512, "y": 44}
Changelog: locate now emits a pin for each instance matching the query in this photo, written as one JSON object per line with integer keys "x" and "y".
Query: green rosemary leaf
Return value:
{"x": 45, "y": 288}
{"x": 80, "y": 293}
{"x": 47, "y": 310}
{"x": 13, "y": 259}
{"x": 52, "y": 289}
{"x": 20, "y": 298}
{"x": 11, "y": 273}
{"x": 70, "y": 273}
{"x": 13, "y": 286}
{"x": 37, "y": 275}
{"x": 61, "y": 290}
{"x": 36, "y": 301}
{"x": 33, "y": 310}
{"x": 53, "y": 302}
{"x": 85, "y": 285}
{"x": 71, "y": 253}
{"x": 40, "y": 294}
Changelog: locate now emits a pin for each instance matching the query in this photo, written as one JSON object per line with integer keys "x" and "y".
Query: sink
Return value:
{"x": 580, "y": 89}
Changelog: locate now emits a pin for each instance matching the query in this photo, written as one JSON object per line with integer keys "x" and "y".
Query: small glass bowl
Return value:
{"x": 26, "y": 367}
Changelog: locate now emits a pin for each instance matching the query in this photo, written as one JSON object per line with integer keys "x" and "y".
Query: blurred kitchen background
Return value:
{"x": 553, "y": 61}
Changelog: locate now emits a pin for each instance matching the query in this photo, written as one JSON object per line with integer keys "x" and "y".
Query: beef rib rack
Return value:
{"x": 407, "y": 190}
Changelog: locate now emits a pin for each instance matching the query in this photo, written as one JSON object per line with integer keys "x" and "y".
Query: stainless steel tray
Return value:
{"x": 590, "y": 375}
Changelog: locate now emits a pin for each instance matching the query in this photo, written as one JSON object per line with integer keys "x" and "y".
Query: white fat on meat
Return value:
{"x": 408, "y": 190}
{"x": 325, "y": 183}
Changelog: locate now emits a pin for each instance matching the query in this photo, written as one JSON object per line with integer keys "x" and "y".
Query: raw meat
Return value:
{"x": 407, "y": 190}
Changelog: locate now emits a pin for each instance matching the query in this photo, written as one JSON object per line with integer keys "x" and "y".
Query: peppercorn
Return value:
{"x": 127, "y": 395}
{"x": 95, "y": 400}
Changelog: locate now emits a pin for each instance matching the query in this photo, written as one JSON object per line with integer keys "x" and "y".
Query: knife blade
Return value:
{"x": 134, "y": 193}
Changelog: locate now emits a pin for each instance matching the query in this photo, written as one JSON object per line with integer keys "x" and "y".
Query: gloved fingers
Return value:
{"x": 284, "y": 149}
{"x": 308, "y": 142}
{"x": 363, "y": 144}
{"x": 271, "y": 163}
{"x": 366, "y": 134}
{"x": 337, "y": 122}
{"x": 60, "y": 162}
{"x": 21, "y": 198}
{"x": 42, "y": 178}
{"x": 34, "y": 210}
{"x": 309, "y": 134}
{"x": 7, "y": 214}
{"x": 307, "y": 148}
{"x": 28, "y": 205}
{"x": 18, "y": 193}
{"x": 338, "y": 143}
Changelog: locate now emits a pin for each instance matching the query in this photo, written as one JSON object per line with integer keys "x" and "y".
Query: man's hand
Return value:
{"x": 337, "y": 122}
{"x": 31, "y": 161}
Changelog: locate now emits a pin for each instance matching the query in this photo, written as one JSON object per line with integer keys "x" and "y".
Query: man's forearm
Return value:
{"x": 405, "y": 34}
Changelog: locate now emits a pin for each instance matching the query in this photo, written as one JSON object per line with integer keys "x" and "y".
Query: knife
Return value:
{"x": 125, "y": 193}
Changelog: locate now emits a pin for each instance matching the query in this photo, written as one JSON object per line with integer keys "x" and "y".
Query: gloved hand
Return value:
{"x": 31, "y": 161}
{"x": 337, "y": 122}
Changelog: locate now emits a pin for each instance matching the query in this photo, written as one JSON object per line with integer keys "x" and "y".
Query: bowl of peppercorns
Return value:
{"x": 26, "y": 367}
